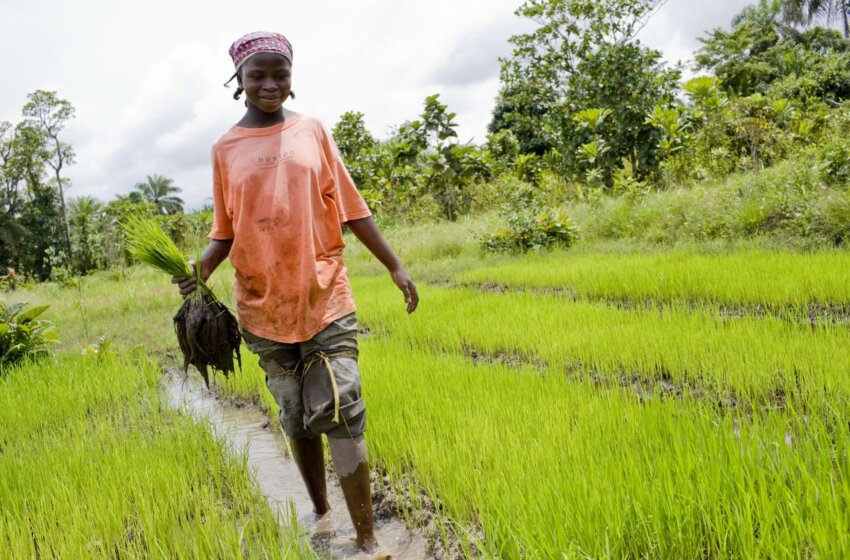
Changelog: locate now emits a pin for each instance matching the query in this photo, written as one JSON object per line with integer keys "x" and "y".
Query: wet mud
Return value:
{"x": 502, "y": 358}
{"x": 405, "y": 498}
{"x": 245, "y": 430}
{"x": 660, "y": 385}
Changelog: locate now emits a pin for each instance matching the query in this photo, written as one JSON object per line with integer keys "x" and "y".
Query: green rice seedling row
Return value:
{"x": 754, "y": 358}
{"x": 548, "y": 466}
{"x": 774, "y": 280}
{"x": 545, "y": 464}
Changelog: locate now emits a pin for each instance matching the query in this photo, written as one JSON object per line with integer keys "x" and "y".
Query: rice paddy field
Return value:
{"x": 603, "y": 402}
{"x": 93, "y": 464}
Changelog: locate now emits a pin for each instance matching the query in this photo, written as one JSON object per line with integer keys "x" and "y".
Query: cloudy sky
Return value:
{"x": 146, "y": 77}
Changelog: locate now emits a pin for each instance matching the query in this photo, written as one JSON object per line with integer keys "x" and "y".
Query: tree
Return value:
{"x": 22, "y": 161}
{"x": 48, "y": 114}
{"x": 584, "y": 55}
{"x": 87, "y": 230}
{"x": 524, "y": 107}
{"x": 357, "y": 147}
{"x": 762, "y": 54}
{"x": 11, "y": 179}
{"x": 568, "y": 32}
{"x": 158, "y": 190}
{"x": 10, "y": 232}
{"x": 805, "y": 12}
{"x": 134, "y": 197}
{"x": 628, "y": 81}
{"x": 41, "y": 215}
{"x": 423, "y": 159}
{"x": 449, "y": 167}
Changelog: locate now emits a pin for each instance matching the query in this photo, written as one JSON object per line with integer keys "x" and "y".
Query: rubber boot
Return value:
{"x": 309, "y": 455}
{"x": 358, "y": 498}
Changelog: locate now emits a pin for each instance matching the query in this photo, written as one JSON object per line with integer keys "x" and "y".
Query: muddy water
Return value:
{"x": 244, "y": 430}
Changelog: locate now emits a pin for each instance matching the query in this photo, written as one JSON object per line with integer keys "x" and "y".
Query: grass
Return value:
{"x": 133, "y": 307}
{"x": 431, "y": 251}
{"x": 787, "y": 205}
{"x": 95, "y": 465}
{"x": 749, "y": 459}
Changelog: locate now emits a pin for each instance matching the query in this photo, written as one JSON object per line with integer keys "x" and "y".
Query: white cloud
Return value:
{"x": 167, "y": 128}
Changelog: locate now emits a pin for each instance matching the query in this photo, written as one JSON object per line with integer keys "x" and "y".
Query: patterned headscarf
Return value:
{"x": 258, "y": 42}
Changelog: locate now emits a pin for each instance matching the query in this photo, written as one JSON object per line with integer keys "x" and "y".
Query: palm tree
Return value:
{"x": 134, "y": 197}
{"x": 157, "y": 190}
{"x": 83, "y": 208}
{"x": 807, "y": 11}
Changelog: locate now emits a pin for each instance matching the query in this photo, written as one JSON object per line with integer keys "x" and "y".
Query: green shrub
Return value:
{"x": 788, "y": 201}
{"x": 828, "y": 220}
{"x": 22, "y": 334}
{"x": 834, "y": 162}
{"x": 530, "y": 225}
{"x": 529, "y": 168}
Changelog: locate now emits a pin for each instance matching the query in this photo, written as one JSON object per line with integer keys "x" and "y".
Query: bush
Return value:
{"x": 828, "y": 219}
{"x": 788, "y": 202}
{"x": 22, "y": 334}
{"x": 531, "y": 225}
{"x": 834, "y": 163}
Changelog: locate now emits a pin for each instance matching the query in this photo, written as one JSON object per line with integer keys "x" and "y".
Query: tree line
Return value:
{"x": 43, "y": 233}
{"x": 584, "y": 110}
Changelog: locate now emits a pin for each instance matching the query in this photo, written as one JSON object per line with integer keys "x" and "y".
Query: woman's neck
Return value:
{"x": 255, "y": 118}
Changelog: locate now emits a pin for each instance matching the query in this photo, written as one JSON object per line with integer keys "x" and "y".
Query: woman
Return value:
{"x": 281, "y": 195}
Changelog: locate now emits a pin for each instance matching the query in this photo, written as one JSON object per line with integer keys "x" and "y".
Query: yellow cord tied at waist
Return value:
{"x": 325, "y": 358}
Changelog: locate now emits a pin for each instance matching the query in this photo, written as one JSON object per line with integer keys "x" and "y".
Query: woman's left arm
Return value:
{"x": 368, "y": 233}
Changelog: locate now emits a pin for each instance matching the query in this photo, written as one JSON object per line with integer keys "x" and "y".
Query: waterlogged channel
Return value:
{"x": 244, "y": 429}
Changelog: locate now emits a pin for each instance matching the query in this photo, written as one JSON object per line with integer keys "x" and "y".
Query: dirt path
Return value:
{"x": 245, "y": 430}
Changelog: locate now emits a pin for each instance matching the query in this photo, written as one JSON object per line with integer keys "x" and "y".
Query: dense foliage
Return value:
{"x": 45, "y": 237}
{"x": 590, "y": 118}
{"x": 763, "y": 54}
{"x": 421, "y": 170}
{"x": 530, "y": 224}
{"x": 22, "y": 334}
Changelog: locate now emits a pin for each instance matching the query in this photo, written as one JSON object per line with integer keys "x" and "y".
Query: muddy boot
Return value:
{"x": 309, "y": 455}
{"x": 352, "y": 467}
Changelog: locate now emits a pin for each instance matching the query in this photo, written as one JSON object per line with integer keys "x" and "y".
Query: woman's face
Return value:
{"x": 267, "y": 80}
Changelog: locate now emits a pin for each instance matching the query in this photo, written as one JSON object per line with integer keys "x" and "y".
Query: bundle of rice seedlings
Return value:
{"x": 207, "y": 331}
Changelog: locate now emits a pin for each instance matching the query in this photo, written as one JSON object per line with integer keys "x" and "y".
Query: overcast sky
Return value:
{"x": 146, "y": 77}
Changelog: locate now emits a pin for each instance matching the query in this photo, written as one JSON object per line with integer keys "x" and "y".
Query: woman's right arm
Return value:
{"x": 214, "y": 255}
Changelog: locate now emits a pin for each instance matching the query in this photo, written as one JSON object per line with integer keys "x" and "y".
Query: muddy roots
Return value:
{"x": 208, "y": 335}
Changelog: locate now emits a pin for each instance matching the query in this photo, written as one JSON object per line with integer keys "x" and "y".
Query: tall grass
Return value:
{"x": 133, "y": 307}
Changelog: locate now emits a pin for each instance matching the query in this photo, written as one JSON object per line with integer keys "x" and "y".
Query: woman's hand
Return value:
{"x": 214, "y": 254}
{"x": 186, "y": 285}
{"x": 367, "y": 232}
{"x": 407, "y": 287}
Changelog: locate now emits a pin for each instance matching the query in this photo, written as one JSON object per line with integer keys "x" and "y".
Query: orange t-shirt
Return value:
{"x": 281, "y": 193}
